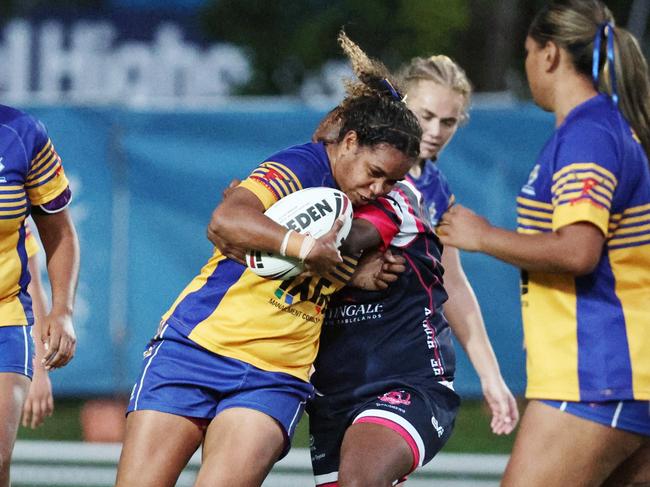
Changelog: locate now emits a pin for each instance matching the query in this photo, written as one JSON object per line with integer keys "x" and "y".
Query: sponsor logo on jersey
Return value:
{"x": 354, "y": 313}
{"x": 272, "y": 174}
{"x": 302, "y": 288}
{"x": 396, "y": 398}
{"x": 532, "y": 177}
{"x": 439, "y": 429}
{"x": 587, "y": 185}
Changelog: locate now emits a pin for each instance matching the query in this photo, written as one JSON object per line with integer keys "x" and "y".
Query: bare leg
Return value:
{"x": 373, "y": 455}
{"x": 554, "y": 448}
{"x": 241, "y": 445}
{"x": 635, "y": 471}
{"x": 13, "y": 391}
{"x": 156, "y": 448}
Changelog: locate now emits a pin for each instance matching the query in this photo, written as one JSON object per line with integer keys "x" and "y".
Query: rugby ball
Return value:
{"x": 310, "y": 211}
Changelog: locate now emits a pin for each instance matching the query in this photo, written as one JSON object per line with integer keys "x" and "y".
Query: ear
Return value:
{"x": 552, "y": 56}
{"x": 350, "y": 141}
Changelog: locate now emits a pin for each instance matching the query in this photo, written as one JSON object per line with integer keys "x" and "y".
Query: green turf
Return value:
{"x": 62, "y": 425}
{"x": 471, "y": 433}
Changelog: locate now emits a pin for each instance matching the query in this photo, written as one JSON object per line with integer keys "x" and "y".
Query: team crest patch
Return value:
{"x": 396, "y": 398}
{"x": 532, "y": 177}
{"x": 587, "y": 185}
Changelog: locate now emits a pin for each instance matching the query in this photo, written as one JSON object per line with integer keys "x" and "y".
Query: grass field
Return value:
{"x": 471, "y": 434}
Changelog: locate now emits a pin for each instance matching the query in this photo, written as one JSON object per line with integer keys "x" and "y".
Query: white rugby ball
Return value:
{"x": 310, "y": 211}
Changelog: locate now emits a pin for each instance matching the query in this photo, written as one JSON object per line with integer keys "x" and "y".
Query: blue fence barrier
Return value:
{"x": 145, "y": 184}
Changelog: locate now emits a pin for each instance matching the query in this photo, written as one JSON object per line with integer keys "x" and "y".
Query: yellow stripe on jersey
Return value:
{"x": 45, "y": 148}
{"x": 630, "y": 266}
{"x": 536, "y": 223}
{"x": 535, "y": 204}
{"x": 270, "y": 182}
{"x": 624, "y": 228}
{"x": 19, "y": 211}
{"x": 580, "y": 194}
{"x": 42, "y": 162}
{"x": 569, "y": 178}
{"x": 583, "y": 210}
{"x": 289, "y": 182}
{"x": 543, "y": 215}
{"x": 585, "y": 166}
{"x": 551, "y": 337}
{"x": 263, "y": 193}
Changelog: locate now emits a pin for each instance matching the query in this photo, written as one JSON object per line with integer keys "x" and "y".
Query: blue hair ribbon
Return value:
{"x": 605, "y": 29}
{"x": 395, "y": 94}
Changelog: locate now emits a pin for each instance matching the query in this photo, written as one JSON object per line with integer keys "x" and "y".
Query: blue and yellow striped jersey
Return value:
{"x": 30, "y": 174}
{"x": 271, "y": 324}
{"x": 588, "y": 337}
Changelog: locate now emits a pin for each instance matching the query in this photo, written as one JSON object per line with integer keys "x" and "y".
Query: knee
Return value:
{"x": 363, "y": 477}
{"x": 5, "y": 463}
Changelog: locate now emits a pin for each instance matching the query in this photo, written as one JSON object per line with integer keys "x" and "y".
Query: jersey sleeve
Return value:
{"x": 584, "y": 176}
{"x": 271, "y": 181}
{"x": 383, "y": 216}
{"x": 46, "y": 179}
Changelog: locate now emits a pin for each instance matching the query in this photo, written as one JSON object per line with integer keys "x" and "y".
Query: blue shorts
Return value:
{"x": 632, "y": 416}
{"x": 181, "y": 377}
{"x": 16, "y": 350}
{"x": 423, "y": 417}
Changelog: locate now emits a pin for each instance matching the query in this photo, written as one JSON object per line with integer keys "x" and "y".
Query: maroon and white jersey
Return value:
{"x": 375, "y": 336}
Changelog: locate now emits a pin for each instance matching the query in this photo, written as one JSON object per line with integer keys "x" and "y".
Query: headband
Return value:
{"x": 606, "y": 29}
{"x": 394, "y": 93}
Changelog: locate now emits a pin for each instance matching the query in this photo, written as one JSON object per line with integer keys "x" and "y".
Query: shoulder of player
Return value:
{"x": 18, "y": 120}
{"x": 310, "y": 153}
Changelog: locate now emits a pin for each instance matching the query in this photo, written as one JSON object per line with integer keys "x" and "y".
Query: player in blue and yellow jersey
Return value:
{"x": 583, "y": 243}
{"x": 229, "y": 366}
{"x": 31, "y": 181}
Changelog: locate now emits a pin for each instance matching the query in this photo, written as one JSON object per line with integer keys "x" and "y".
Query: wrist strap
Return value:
{"x": 285, "y": 242}
{"x": 307, "y": 245}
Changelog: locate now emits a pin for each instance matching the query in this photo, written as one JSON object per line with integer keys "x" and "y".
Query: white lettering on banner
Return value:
{"x": 84, "y": 63}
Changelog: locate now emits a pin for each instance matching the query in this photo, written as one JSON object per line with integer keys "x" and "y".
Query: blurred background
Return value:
{"x": 155, "y": 105}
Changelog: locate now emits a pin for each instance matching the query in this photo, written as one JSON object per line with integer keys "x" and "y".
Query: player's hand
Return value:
{"x": 503, "y": 406}
{"x": 39, "y": 403}
{"x": 231, "y": 185}
{"x": 59, "y": 339}
{"x": 377, "y": 270}
{"x": 325, "y": 255}
{"x": 237, "y": 254}
{"x": 460, "y": 227}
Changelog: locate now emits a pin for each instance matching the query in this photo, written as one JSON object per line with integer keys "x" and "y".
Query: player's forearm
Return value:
{"x": 561, "y": 251}
{"x": 239, "y": 221}
{"x": 466, "y": 321}
{"x": 61, "y": 246}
